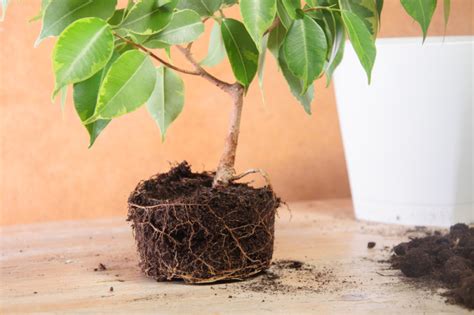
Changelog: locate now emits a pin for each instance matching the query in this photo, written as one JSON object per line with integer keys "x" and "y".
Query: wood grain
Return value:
{"x": 57, "y": 261}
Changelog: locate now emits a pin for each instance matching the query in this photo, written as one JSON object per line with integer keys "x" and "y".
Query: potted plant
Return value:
{"x": 199, "y": 227}
{"x": 408, "y": 136}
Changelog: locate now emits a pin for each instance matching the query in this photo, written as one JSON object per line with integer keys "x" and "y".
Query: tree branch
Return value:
{"x": 225, "y": 86}
{"x": 165, "y": 63}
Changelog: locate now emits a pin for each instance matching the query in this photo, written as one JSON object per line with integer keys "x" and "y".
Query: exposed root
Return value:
{"x": 253, "y": 171}
{"x": 186, "y": 229}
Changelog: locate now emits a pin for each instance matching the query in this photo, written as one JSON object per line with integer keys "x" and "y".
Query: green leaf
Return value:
{"x": 276, "y": 39}
{"x": 285, "y": 18}
{"x": 216, "y": 50}
{"x": 185, "y": 27}
{"x": 261, "y": 65}
{"x": 81, "y": 50}
{"x": 422, "y": 11}
{"x": 361, "y": 39}
{"x": 147, "y": 17}
{"x": 337, "y": 49}
{"x": 202, "y": 7}
{"x": 366, "y": 10}
{"x": 167, "y": 100}
{"x": 85, "y": 97}
{"x": 446, "y": 11}
{"x": 85, "y": 100}
{"x": 258, "y": 16}
{"x": 241, "y": 50}
{"x": 327, "y": 21}
{"x": 127, "y": 85}
{"x": 296, "y": 85}
{"x": 117, "y": 18}
{"x": 305, "y": 50}
{"x": 292, "y": 7}
{"x": 379, "y": 6}
{"x": 59, "y": 14}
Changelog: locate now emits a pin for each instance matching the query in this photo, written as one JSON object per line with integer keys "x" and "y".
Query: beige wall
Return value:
{"x": 47, "y": 172}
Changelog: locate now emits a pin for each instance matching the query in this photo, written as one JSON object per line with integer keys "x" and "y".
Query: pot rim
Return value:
{"x": 430, "y": 40}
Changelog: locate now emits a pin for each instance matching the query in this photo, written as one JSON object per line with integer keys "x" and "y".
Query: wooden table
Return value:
{"x": 50, "y": 268}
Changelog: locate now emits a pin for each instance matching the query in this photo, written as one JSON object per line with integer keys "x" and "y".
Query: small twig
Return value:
{"x": 165, "y": 63}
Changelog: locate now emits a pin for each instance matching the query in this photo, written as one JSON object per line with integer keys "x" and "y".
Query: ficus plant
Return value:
{"x": 110, "y": 55}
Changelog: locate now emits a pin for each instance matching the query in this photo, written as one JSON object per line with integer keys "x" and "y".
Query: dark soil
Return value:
{"x": 447, "y": 259}
{"x": 101, "y": 267}
{"x": 187, "y": 230}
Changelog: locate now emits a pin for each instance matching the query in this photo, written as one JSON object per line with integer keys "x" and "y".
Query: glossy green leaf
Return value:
{"x": 285, "y": 18}
{"x": 202, "y": 7}
{"x": 258, "y": 16}
{"x": 327, "y": 21}
{"x": 147, "y": 17}
{"x": 361, "y": 39}
{"x": 127, "y": 85}
{"x": 185, "y": 27}
{"x": 216, "y": 50}
{"x": 261, "y": 64}
{"x": 241, "y": 51}
{"x": 59, "y": 14}
{"x": 337, "y": 49}
{"x": 85, "y": 100}
{"x": 167, "y": 100}
{"x": 296, "y": 85}
{"x": 379, "y": 6}
{"x": 82, "y": 49}
{"x": 291, "y": 7}
{"x": 446, "y": 11}
{"x": 276, "y": 39}
{"x": 422, "y": 11}
{"x": 85, "y": 97}
{"x": 366, "y": 10}
{"x": 305, "y": 50}
{"x": 117, "y": 18}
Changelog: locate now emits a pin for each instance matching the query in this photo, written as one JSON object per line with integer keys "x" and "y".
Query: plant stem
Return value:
{"x": 225, "y": 171}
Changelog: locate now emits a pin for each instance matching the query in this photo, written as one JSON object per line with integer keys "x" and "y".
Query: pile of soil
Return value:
{"x": 446, "y": 259}
{"x": 186, "y": 229}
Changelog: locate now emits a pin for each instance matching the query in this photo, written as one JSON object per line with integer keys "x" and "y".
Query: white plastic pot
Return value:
{"x": 408, "y": 137}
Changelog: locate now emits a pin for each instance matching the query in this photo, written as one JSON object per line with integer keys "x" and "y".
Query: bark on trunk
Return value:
{"x": 225, "y": 170}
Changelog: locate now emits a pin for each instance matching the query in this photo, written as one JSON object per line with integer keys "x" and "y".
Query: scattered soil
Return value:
{"x": 289, "y": 277}
{"x": 101, "y": 267}
{"x": 442, "y": 260}
{"x": 371, "y": 244}
{"x": 185, "y": 229}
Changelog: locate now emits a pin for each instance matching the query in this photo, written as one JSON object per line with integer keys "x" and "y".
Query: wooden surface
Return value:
{"x": 57, "y": 261}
